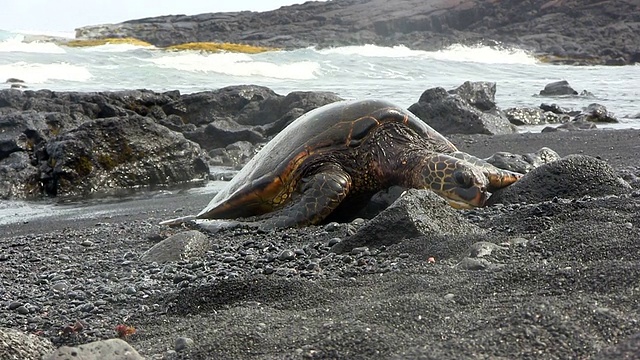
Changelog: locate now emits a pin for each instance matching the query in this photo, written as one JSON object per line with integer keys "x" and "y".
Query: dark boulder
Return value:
{"x": 19, "y": 178}
{"x": 555, "y": 108}
{"x": 118, "y": 153}
{"x": 558, "y": 88}
{"x": 596, "y": 113}
{"x": 222, "y": 132}
{"x": 522, "y": 163}
{"x": 479, "y": 94}
{"x": 416, "y": 213}
{"x": 294, "y": 105}
{"x": 233, "y": 155}
{"x": 571, "y": 177}
{"x": 452, "y": 114}
{"x": 227, "y": 103}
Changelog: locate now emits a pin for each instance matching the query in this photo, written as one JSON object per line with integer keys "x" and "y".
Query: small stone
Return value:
{"x": 449, "y": 297}
{"x": 183, "y": 343}
{"x": 332, "y": 226}
{"x": 60, "y": 286}
{"x": 88, "y": 307}
{"x": 87, "y": 243}
{"x": 22, "y": 310}
{"x": 334, "y": 241}
{"x": 229, "y": 259}
{"x": 475, "y": 264}
{"x": 286, "y": 255}
{"x": 358, "y": 250}
{"x": 14, "y": 305}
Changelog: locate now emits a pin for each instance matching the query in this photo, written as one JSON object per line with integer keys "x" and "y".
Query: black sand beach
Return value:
{"x": 561, "y": 280}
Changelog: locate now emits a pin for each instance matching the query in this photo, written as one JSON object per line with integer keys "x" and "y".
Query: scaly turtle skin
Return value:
{"x": 332, "y": 159}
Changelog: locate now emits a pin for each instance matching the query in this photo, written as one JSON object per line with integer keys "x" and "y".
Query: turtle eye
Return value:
{"x": 463, "y": 179}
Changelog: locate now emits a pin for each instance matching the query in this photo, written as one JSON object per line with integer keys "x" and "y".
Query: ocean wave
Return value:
{"x": 35, "y": 73}
{"x": 478, "y": 54}
{"x": 235, "y": 64}
{"x": 115, "y": 48}
{"x": 16, "y": 43}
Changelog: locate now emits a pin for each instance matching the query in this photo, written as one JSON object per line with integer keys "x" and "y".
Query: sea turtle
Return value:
{"x": 332, "y": 159}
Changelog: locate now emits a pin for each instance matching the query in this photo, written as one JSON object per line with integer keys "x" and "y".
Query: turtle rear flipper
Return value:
{"x": 178, "y": 221}
{"x": 318, "y": 196}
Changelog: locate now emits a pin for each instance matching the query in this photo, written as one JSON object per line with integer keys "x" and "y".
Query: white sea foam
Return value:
{"x": 35, "y": 73}
{"x": 235, "y": 64}
{"x": 478, "y": 54}
{"x": 17, "y": 44}
{"x": 115, "y": 48}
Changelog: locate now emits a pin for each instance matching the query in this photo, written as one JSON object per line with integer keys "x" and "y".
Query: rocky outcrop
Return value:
{"x": 553, "y": 114}
{"x": 571, "y": 177}
{"x": 566, "y": 31}
{"x": 468, "y": 109}
{"x": 70, "y": 143}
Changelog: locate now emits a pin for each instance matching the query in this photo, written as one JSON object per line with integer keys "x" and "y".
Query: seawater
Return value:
{"x": 396, "y": 73}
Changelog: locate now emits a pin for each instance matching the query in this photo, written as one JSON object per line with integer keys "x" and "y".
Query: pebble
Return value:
{"x": 358, "y": 250}
{"x": 22, "y": 310}
{"x": 87, "y": 243}
{"x": 60, "y": 286}
{"x": 332, "y": 226}
{"x": 286, "y": 255}
{"x": 183, "y": 343}
{"x": 87, "y": 307}
{"x": 334, "y": 241}
{"x": 229, "y": 259}
{"x": 14, "y": 305}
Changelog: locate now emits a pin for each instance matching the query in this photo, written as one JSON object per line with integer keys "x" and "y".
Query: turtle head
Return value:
{"x": 461, "y": 183}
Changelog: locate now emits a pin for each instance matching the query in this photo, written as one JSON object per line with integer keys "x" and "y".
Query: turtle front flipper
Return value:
{"x": 316, "y": 197}
{"x": 498, "y": 178}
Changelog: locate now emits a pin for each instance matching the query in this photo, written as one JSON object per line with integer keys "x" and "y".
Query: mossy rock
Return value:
{"x": 217, "y": 47}
{"x": 98, "y": 42}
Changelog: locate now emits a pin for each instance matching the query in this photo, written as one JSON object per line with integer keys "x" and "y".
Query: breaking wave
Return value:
{"x": 16, "y": 43}
{"x": 460, "y": 53}
{"x": 235, "y": 64}
{"x": 35, "y": 73}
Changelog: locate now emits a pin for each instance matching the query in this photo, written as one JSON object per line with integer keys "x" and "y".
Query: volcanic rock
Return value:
{"x": 417, "y": 213}
{"x": 571, "y": 177}
{"x": 566, "y": 32}
{"x": 452, "y": 114}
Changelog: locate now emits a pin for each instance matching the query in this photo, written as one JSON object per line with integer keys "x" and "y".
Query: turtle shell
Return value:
{"x": 339, "y": 125}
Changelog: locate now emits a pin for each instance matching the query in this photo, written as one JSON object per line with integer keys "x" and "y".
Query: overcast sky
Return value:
{"x": 66, "y": 15}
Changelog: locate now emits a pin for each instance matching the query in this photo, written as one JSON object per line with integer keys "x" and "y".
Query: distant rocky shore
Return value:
{"x": 556, "y": 31}
{"x": 70, "y": 144}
